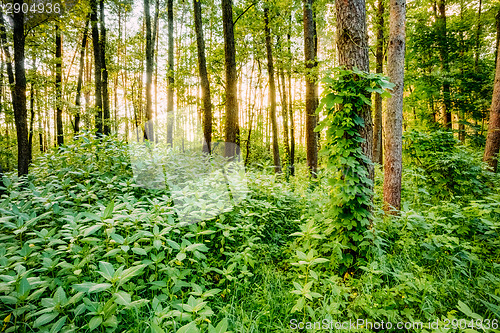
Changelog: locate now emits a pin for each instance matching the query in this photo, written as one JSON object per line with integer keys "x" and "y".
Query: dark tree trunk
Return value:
{"x": 80, "y": 78}
{"x": 272, "y": 93}
{"x": 379, "y": 58}
{"x": 493, "y": 138}
{"x": 290, "y": 106}
{"x": 19, "y": 101}
{"x": 311, "y": 95}
{"x": 149, "y": 128}
{"x": 478, "y": 37}
{"x": 284, "y": 116}
{"x": 104, "y": 70}
{"x": 232, "y": 124}
{"x": 97, "y": 66}
{"x": 393, "y": 122}
{"x": 205, "y": 84}
{"x": 170, "y": 75}
{"x": 8, "y": 58}
{"x": 352, "y": 45}
{"x": 497, "y": 19}
{"x": 32, "y": 111}
{"x": 59, "y": 123}
{"x": 443, "y": 54}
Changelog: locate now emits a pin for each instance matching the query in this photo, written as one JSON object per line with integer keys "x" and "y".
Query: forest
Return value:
{"x": 249, "y": 166}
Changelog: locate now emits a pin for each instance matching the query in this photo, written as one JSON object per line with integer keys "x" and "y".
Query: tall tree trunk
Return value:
{"x": 272, "y": 93}
{"x": 80, "y": 77}
{"x": 32, "y": 111}
{"x": 104, "y": 70}
{"x": 443, "y": 54}
{"x": 205, "y": 84}
{"x": 156, "y": 30}
{"x": 59, "y": 123}
{"x": 379, "y": 58}
{"x": 232, "y": 124}
{"x": 19, "y": 101}
{"x": 311, "y": 95}
{"x": 393, "y": 121}
{"x": 497, "y": 21}
{"x": 284, "y": 116}
{"x": 88, "y": 81}
{"x": 40, "y": 129}
{"x": 170, "y": 74}
{"x": 8, "y": 58}
{"x": 493, "y": 138}
{"x": 478, "y": 36}
{"x": 97, "y": 67}
{"x": 149, "y": 128}
{"x": 352, "y": 45}
{"x": 290, "y": 106}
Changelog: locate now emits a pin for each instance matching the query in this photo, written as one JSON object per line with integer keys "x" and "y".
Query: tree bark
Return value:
{"x": 379, "y": 58}
{"x": 104, "y": 70}
{"x": 170, "y": 75}
{"x": 497, "y": 21}
{"x": 59, "y": 123}
{"x": 97, "y": 67}
{"x": 272, "y": 93}
{"x": 352, "y": 45}
{"x": 8, "y": 58}
{"x": 232, "y": 128}
{"x": 478, "y": 37}
{"x": 149, "y": 128}
{"x": 205, "y": 84}
{"x": 284, "y": 116}
{"x": 393, "y": 121}
{"x": 311, "y": 96}
{"x": 290, "y": 106}
{"x": 493, "y": 138}
{"x": 19, "y": 101}
{"x": 80, "y": 78}
{"x": 32, "y": 111}
{"x": 443, "y": 54}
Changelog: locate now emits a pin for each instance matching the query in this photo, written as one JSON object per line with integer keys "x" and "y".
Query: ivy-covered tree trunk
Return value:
{"x": 205, "y": 84}
{"x": 272, "y": 93}
{"x": 311, "y": 98}
{"x": 491, "y": 151}
{"x": 19, "y": 98}
{"x": 59, "y": 122}
{"x": 149, "y": 127}
{"x": 79, "y": 84}
{"x": 97, "y": 66}
{"x": 170, "y": 74}
{"x": 377, "y": 112}
{"x": 352, "y": 45}
{"x": 393, "y": 121}
{"x": 232, "y": 124}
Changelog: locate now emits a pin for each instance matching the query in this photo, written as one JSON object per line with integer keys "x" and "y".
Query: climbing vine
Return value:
{"x": 345, "y": 95}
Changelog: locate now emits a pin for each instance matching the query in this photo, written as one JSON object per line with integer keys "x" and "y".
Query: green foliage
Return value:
{"x": 84, "y": 248}
{"x": 444, "y": 169}
{"x": 345, "y": 97}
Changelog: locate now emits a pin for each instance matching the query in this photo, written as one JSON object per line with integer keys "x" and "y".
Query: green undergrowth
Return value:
{"x": 83, "y": 248}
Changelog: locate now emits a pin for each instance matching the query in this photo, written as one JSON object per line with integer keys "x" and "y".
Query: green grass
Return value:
{"x": 83, "y": 248}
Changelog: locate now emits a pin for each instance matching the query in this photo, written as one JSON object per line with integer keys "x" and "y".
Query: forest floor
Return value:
{"x": 84, "y": 248}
